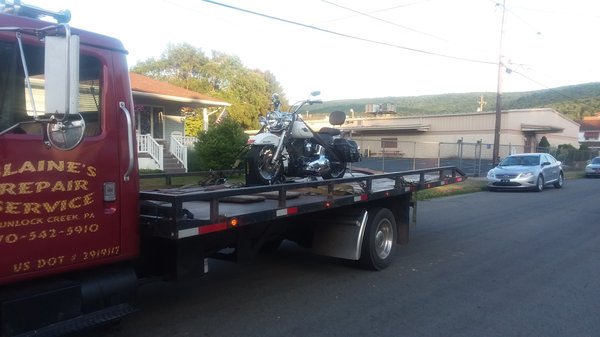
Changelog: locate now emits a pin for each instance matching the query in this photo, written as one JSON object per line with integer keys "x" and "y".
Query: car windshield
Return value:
{"x": 596, "y": 160}
{"x": 521, "y": 161}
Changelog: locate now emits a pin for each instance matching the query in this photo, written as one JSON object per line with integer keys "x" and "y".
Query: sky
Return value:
{"x": 352, "y": 49}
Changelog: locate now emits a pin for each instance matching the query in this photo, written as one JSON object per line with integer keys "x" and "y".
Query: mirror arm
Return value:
{"x": 26, "y": 73}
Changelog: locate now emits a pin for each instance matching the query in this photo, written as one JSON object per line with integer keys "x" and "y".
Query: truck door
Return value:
{"x": 59, "y": 210}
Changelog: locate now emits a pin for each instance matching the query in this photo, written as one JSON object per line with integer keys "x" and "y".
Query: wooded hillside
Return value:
{"x": 574, "y": 101}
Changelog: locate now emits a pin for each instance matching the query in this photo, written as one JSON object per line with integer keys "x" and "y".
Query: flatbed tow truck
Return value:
{"x": 77, "y": 236}
{"x": 333, "y": 217}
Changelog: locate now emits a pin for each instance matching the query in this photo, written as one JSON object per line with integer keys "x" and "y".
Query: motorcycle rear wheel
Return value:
{"x": 261, "y": 171}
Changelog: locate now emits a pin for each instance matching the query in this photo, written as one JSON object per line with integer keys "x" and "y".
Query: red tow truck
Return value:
{"x": 76, "y": 233}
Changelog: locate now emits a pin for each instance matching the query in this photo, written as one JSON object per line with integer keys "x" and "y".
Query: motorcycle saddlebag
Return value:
{"x": 347, "y": 150}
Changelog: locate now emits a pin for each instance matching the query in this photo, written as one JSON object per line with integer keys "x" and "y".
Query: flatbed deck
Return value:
{"x": 181, "y": 212}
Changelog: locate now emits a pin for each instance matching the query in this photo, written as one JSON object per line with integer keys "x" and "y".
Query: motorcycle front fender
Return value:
{"x": 264, "y": 139}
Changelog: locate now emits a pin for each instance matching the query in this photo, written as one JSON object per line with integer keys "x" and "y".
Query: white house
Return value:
{"x": 160, "y": 122}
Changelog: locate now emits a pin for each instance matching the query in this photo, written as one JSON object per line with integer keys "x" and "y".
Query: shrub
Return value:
{"x": 219, "y": 147}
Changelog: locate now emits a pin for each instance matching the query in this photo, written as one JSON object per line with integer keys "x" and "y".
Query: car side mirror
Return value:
{"x": 546, "y": 163}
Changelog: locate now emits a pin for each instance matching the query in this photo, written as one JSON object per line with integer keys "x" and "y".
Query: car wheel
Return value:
{"x": 539, "y": 185}
{"x": 560, "y": 182}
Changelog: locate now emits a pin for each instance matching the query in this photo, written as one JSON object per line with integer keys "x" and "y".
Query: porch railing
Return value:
{"x": 178, "y": 149}
{"x": 147, "y": 144}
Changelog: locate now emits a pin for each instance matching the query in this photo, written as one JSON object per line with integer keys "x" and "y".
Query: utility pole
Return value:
{"x": 496, "y": 150}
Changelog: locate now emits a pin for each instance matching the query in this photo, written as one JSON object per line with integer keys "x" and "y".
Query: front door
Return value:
{"x": 150, "y": 121}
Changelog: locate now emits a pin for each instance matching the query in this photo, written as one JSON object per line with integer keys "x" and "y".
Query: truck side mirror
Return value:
{"x": 61, "y": 70}
{"x": 61, "y": 88}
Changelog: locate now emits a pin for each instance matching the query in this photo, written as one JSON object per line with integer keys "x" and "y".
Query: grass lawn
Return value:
{"x": 473, "y": 185}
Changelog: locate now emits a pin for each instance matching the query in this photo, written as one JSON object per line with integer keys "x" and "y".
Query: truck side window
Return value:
{"x": 15, "y": 103}
{"x": 90, "y": 89}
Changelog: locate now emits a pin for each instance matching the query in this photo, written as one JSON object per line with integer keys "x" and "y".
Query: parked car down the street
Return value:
{"x": 593, "y": 168}
{"x": 526, "y": 171}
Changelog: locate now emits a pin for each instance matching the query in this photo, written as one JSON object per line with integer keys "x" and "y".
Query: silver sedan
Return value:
{"x": 593, "y": 168}
{"x": 526, "y": 171}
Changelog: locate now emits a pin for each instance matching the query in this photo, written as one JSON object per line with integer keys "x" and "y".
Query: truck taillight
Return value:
{"x": 110, "y": 191}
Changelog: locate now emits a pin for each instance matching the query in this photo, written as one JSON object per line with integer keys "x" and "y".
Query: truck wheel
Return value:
{"x": 379, "y": 241}
{"x": 261, "y": 171}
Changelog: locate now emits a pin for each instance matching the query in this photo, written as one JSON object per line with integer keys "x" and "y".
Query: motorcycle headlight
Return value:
{"x": 277, "y": 121}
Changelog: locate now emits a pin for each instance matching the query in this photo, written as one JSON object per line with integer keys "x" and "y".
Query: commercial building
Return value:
{"x": 520, "y": 131}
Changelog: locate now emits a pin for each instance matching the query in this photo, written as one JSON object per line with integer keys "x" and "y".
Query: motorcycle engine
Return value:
{"x": 307, "y": 160}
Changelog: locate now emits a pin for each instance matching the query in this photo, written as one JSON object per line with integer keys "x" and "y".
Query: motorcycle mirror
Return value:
{"x": 315, "y": 93}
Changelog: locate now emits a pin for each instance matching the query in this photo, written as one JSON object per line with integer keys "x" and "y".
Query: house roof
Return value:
{"x": 145, "y": 86}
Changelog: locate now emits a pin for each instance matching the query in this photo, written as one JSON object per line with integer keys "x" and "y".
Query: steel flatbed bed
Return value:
{"x": 182, "y": 212}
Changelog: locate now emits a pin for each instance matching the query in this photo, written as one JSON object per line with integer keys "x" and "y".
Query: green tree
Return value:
{"x": 221, "y": 75}
{"x": 219, "y": 147}
{"x": 181, "y": 65}
{"x": 544, "y": 145}
{"x": 193, "y": 125}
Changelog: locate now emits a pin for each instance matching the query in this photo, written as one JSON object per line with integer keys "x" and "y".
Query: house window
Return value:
{"x": 150, "y": 120}
{"x": 389, "y": 143}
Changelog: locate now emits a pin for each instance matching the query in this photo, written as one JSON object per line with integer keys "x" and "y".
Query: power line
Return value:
{"x": 350, "y": 36}
{"x": 368, "y": 15}
{"x": 385, "y": 21}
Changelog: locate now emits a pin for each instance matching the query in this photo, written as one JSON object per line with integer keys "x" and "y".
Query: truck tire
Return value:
{"x": 260, "y": 169}
{"x": 379, "y": 242}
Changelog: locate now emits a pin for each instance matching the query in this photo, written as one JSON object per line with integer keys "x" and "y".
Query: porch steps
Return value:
{"x": 171, "y": 164}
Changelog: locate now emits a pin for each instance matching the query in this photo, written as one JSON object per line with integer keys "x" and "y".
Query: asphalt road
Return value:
{"x": 484, "y": 264}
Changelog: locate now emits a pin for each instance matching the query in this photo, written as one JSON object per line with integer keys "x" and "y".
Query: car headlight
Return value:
{"x": 526, "y": 174}
{"x": 491, "y": 175}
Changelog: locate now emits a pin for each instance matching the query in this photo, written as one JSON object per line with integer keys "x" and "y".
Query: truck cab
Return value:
{"x": 68, "y": 177}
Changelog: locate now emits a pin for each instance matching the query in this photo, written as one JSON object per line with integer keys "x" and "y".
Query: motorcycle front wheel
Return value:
{"x": 337, "y": 170}
{"x": 261, "y": 169}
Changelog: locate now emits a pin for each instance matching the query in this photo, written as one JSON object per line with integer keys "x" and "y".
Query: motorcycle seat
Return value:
{"x": 330, "y": 131}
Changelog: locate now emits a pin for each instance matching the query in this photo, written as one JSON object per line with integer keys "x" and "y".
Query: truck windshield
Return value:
{"x": 16, "y": 107}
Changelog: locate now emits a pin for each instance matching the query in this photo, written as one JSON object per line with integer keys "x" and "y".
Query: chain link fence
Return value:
{"x": 475, "y": 159}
